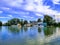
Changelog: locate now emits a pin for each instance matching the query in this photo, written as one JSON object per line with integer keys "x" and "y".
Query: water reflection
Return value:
{"x": 49, "y": 31}
{"x": 0, "y": 28}
{"x": 13, "y": 29}
{"x": 29, "y": 35}
{"x": 25, "y": 29}
{"x": 39, "y": 29}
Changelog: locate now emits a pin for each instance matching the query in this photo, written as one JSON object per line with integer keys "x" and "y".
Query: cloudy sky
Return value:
{"x": 29, "y": 9}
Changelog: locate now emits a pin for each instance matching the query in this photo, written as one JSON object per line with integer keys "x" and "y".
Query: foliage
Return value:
{"x": 47, "y": 19}
{"x": 25, "y": 22}
{"x": 39, "y": 20}
{"x": 49, "y": 31}
{"x": 22, "y": 22}
{"x": 0, "y": 23}
{"x": 14, "y": 21}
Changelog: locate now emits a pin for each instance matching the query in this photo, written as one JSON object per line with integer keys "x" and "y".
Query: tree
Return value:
{"x": 22, "y": 22}
{"x": 39, "y": 20}
{"x": 25, "y": 22}
{"x": 14, "y": 21}
{"x": 0, "y": 23}
{"x": 47, "y": 19}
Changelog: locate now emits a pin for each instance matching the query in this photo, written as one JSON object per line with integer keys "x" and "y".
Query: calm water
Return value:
{"x": 29, "y": 36}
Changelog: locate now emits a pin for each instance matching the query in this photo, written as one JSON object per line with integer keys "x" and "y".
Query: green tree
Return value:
{"x": 0, "y": 23}
{"x": 22, "y": 22}
{"x": 14, "y": 21}
{"x": 47, "y": 19}
{"x": 25, "y": 22}
{"x": 39, "y": 20}
{"x": 58, "y": 24}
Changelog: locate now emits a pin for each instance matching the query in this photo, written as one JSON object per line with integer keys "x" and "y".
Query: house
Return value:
{"x": 41, "y": 24}
{"x": 19, "y": 25}
{"x": 28, "y": 25}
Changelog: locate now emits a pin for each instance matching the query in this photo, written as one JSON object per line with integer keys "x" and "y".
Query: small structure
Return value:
{"x": 28, "y": 25}
{"x": 19, "y": 25}
{"x": 42, "y": 24}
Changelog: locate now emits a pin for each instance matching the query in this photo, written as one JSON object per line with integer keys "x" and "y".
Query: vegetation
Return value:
{"x": 0, "y": 23}
{"x": 14, "y": 21}
{"x": 25, "y": 22}
{"x": 39, "y": 20}
{"x": 49, "y": 30}
{"x": 22, "y": 22}
{"x": 47, "y": 19}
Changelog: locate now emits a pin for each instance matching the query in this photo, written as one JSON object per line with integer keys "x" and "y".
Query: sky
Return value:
{"x": 29, "y": 9}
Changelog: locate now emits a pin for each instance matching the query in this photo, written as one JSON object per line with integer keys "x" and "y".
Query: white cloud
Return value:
{"x": 10, "y": 16}
{"x": 4, "y": 17}
{"x": 28, "y": 17}
{"x": 40, "y": 8}
{"x": 31, "y": 17}
{"x": 31, "y": 6}
{"x": 13, "y": 2}
{"x": 1, "y": 12}
{"x": 38, "y": 14}
{"x": 25, "y": 16}
{"x": 56, "y": 1}
{"x": 5, "y": 8}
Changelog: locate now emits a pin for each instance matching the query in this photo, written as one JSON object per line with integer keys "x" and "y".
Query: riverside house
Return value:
{"x": 35, "y": 23}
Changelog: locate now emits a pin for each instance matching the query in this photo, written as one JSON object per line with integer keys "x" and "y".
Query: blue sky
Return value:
{"x": 29, "y": 9}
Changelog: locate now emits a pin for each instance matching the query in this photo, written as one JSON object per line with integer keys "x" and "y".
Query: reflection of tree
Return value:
{"x": 49, "y": 31}
{"x": 0, "y": 27}
{"x": 39, "y": 29}
{"x": 13, "y": 29}
{"x": 25, "y": 29}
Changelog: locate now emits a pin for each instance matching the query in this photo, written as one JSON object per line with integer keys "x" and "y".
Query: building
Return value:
{"x": 41, "y": 24}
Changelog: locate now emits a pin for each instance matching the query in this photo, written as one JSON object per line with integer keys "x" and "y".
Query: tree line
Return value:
{"x": 47, "y": 19}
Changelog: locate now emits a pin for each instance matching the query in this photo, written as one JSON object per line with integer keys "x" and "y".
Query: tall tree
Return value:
{"x": 47, "y": 19}
{"x": 14, "y": 21}
{"x": 0, "y": 23}
{"x": 39, "y": 20}
{"x": 25, "y": 22}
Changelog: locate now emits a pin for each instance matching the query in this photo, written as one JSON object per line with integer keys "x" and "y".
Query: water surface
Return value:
{"x": 29, "y": 35}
